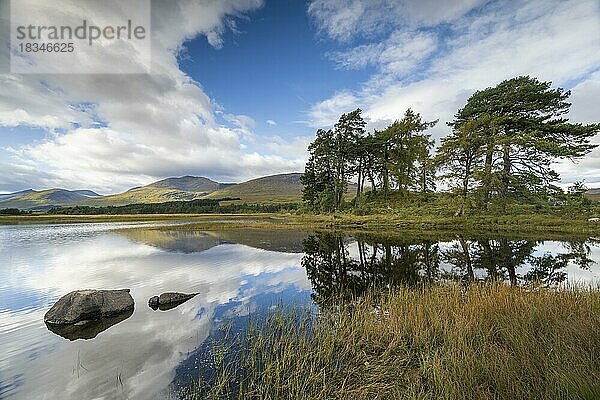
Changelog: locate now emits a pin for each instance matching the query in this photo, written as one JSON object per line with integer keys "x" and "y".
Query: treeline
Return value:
{"x": 500, "y": 146}
{"x": 13, "y": 211}
{"x": 199, "y": 206}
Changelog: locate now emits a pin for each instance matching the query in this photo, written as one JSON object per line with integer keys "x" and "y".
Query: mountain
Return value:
{"x": 189, "y": 184}
{"x": 87, "y": 193}
{"x": 282, "y": 187}
{"x": 10, "y": 195}
{"x": 170, "y": 189}
{"x": 44, "y": 199}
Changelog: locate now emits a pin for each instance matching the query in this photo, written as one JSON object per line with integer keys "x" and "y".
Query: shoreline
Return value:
{"x": 383, "y": 224}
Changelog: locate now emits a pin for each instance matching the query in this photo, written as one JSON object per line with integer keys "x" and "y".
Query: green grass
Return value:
{"x": 440, "y": 342}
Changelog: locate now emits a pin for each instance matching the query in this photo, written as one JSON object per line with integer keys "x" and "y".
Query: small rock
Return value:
{"x": 594, "y": 220}
{"x": 169, "y": 300}
{"x": 153, "y": 302}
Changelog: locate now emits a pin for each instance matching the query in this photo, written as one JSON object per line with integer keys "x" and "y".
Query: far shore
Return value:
{"x": 544, "y": 225}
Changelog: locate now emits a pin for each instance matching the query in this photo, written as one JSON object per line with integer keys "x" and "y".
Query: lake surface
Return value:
{"x": 157, "y": 354}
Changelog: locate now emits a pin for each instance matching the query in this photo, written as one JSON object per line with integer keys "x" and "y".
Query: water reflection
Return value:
{"x": 348, "y": 267}
{"x": 236, "y": 273}
{"x": 138, "y": 357}
{"x": 90, "y": 329}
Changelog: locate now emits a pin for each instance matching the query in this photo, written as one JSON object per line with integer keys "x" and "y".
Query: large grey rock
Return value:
{"x": 87, "y": 305}
{"x": 169, "y": 300}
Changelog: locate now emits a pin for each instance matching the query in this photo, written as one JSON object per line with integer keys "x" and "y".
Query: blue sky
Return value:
{"x": 274, "y": 68}
{"x": 237, "y": 88}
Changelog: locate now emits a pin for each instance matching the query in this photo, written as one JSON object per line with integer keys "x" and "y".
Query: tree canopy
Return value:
{"x": 500, "y": 147}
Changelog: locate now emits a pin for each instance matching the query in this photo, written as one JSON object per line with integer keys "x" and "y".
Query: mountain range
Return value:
{"x": 283, "y": 187}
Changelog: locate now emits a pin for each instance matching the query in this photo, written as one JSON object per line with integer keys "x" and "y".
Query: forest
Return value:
{"x": 499, "y": 149}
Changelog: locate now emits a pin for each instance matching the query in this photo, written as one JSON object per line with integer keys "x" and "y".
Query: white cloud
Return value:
{"x": 270, "y": 122}
{"x": 111, "y": 132}
{"x": 328, "y": 111}
{"x": 433, "y": 68}
{"x": 345, "y": 19}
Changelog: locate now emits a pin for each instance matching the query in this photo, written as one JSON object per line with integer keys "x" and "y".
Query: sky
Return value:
{"x": 238, "y": 88}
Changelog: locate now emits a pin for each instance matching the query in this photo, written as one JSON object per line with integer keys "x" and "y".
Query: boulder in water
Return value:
{"x": 87, "y": 305}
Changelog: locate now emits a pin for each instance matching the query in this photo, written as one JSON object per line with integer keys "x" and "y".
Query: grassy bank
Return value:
{"x": 486, "y": 342}
{"x": 435, "y": 213}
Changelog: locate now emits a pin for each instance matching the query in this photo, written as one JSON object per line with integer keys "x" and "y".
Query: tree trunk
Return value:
{"x": 359, "y": 189}
{"x": 487, "y": 178}
{"x": 372, "y": 180}
{"x": 386, "y": 177}
{"x": 506, "y": 161}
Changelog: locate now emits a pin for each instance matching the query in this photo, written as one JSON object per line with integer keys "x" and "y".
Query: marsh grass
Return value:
{"x": 438, "y": 342}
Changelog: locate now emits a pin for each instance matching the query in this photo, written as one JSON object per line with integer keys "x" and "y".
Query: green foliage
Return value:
{"x": 13, "y": 211}
{"x": 335, "y": 155}
{"x": 202, "y": 206}
{"x": 399, "y": 156}
{"x": 501, "y": 148}
{"x": 506, "y": 137}
{"x": 405, "y": 153}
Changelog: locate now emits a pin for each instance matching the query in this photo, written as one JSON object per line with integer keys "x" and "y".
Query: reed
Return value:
{"x": 436, "y": 342}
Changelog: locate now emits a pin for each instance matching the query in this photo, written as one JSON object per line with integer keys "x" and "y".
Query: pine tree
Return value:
{"x": 527, "y": 132}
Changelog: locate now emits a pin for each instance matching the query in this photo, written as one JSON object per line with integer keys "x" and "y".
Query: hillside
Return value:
{"x": 87, "y": 193}
{"x": 283, "y": 187}
{"x": 14, "y": 194}
{"x": 189, "y": 184}
{"x": 593, "y": 194}
{"x": 170, "y": 189}
{"x": 278, "y": 188}
{"x": 45, "y": 198}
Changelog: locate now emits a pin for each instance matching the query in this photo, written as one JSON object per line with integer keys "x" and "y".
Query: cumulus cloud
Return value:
{"x": 270, "y": 122}
{"x": 113, "y": 131}
{"x": 432, "y": 58}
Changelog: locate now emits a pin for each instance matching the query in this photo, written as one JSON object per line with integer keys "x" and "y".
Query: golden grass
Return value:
{"x": 440, "y": 342}
{"x": 541, "y": 224}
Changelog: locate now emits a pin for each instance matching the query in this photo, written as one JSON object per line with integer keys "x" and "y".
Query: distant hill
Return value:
{"x": 283, "y": 187}
{"x": 170, "y": 189}
{"x": 14, "y": 194}
{"x": 88, "y": 193}
{"x": 189, "y": 184}
{"x": 45, "y": 198}
{"x": 278, "y": 188}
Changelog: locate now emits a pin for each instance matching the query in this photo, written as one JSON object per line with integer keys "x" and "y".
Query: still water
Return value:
{"x": 154, "y": 354}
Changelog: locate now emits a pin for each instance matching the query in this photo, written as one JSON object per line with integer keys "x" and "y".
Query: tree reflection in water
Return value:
{"x": 347, "y": 267}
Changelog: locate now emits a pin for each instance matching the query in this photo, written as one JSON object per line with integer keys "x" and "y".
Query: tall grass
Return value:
{"x": 439, "y": 342}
